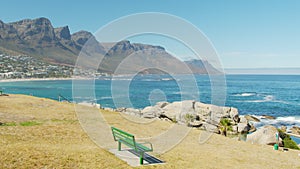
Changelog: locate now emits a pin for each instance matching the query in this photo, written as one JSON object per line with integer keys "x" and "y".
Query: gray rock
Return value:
{"x": 133, "y": 111}
{"x": 235, "y": 128}
{"x": 251, "y": 118}
{"x": 283, "y": 128}
{"x": 161, "y": 104}
{"x": 268, "y": 117}
{"x": 243, "y": 127}
{"x": 234, "y": 114}
{"x": 252, "y": 128}
{"x": 265, "y": 135}
{"x": 121, "y": 109}
{"x": 178, "y": 110}
{"x": 108, "y": 109}
{"x": 196, "y": 124}
{"x": 243, "y": 119}
{"x": 151, "y": 112}
{"x": 295, "y": 130}
{"x": 211, "y": 128}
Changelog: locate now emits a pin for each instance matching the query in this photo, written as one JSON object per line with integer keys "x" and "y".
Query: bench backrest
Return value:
{"x": 124, "y": 137}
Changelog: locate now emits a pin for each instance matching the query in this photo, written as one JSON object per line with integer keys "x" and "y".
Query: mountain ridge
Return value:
{"x": 38, "y": 38}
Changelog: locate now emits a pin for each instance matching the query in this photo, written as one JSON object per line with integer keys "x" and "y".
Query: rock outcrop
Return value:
{"x": 151, "y": 112}
{"x": 251, "y": 118}
{"x": 283, "y": 128}
{"x": 268, "y": 117}
{"x": 295, "y": 130}
{"x": 191, "y": 113}
{"x": 265, "y": 135}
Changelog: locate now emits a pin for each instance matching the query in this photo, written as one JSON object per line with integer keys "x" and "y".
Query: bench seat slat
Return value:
{"x": 142, "y": 147}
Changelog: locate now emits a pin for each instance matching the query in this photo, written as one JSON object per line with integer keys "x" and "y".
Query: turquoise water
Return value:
{"x": 275, "y": 95}
{"x": 251, "y": 94}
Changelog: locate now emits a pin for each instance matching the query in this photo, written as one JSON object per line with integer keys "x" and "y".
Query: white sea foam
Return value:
{"x": 267, "y": 98}
{"x": 288, "y": 121}
{"x": 245, "y": 94}
{"x": 150, "y": 80}
{"x": 105, "y": 97}
{"x": 167, "y": 79}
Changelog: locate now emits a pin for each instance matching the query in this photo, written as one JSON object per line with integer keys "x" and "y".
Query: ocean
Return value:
{"x": 274, "y": 95}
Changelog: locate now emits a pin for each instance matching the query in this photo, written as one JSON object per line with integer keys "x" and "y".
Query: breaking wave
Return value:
{"x": 245, "y": 94}
{"x": 288, "y": 121}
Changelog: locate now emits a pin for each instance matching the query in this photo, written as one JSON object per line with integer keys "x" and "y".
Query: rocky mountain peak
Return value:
{"x": 81, "y": 37}
{"x": 34, "y": 31}
{"x": 62, "y": 33}
{"x": 1, "y": 24}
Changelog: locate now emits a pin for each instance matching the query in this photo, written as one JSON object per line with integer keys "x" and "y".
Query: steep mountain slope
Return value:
{"x": 38, "y": 38}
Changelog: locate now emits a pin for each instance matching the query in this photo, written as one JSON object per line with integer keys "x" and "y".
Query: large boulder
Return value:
{"x": 234, "y": 114}
{"x": 243, "y": 127}
{"x": 243, "y": 119}
{"x": 212, "y": 113}
{"x": 265, "y": 135}
{"x": 202, "y": 110}
{"x": 184, "y": 110}
{"x": 132, "y": 111}
{"x": 161, "y": 104}
{"x": 178, "y": 110}
{"x": 151, "y": 112}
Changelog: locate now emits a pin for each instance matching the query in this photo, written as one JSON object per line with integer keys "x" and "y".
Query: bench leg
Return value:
{"x": 119, "y": 147}
{"x": 142, "y": 158}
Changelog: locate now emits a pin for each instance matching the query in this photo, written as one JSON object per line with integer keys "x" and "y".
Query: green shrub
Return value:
{"x": 224, "y": 126}
{"x": 29, "y": 123}
{"x": 9, "y": 124}
{"x": 289, "y": 143}
{"x": 282, "y": 134}
{"x": 189, "y": 118}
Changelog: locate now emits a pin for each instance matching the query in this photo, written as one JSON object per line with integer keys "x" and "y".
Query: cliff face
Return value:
{"x": 38, "y": 38}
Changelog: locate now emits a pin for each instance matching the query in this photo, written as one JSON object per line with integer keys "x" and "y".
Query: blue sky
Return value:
{"x": 246, "y": 34}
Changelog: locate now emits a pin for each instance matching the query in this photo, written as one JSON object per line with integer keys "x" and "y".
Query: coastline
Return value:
{"x": 291, "y": 134}
{"x": 44, "y": 79}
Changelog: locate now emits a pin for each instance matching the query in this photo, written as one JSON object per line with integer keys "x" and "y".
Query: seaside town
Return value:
{"x": 22, "y": 66}
{"x": 27, "y": 67}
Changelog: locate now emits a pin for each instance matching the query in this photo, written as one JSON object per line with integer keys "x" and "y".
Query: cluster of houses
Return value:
{"x": 20, "y": 66}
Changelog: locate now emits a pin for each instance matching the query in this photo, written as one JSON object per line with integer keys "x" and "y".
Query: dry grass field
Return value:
{"x": 42, "y": 133}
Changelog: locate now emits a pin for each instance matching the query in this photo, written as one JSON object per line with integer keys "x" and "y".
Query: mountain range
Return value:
{"x": 39, "y": 39}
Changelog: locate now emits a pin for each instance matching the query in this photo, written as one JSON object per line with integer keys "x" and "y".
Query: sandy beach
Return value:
{"x": 43, "y": 133}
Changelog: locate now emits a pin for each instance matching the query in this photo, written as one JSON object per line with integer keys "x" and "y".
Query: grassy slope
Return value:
{"x": 53, "y": 138}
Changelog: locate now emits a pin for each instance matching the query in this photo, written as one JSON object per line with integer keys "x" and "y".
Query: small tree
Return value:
{"x": 189, "y": 118}
{"x": 224, "y": 126}
{"x": 287, "y": 141}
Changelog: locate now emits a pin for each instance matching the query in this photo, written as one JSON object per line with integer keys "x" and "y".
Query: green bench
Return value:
{"x": 129, "y": 140}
